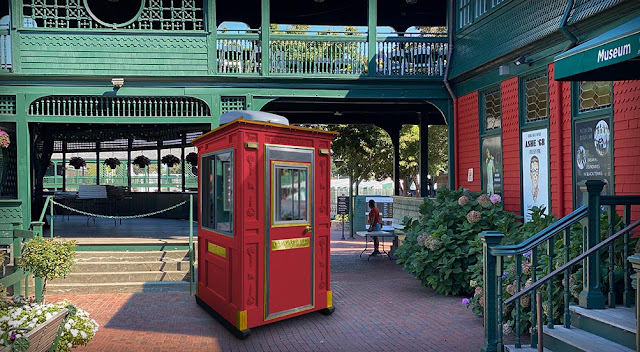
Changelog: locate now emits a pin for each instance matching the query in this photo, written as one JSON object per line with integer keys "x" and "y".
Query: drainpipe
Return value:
{"x": 450, "y": 49}
{"x": 560, "y": 157}
{"x": 572, "y": 38}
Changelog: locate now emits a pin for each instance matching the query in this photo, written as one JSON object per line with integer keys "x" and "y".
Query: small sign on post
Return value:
{"x": 343, "y": 209}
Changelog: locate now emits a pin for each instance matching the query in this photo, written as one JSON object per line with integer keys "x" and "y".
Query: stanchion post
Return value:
{"x": 191, "y": 273}
{"x": 51, "y": 214}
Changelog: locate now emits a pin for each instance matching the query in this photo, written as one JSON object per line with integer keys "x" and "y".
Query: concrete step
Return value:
{"x": 127, "y": 256}
{"x": 122, "y": 266}
{"x": 524, "y": 348}
{"x": 615, "y": 324}
{"x": 120, "y": 287}
{"x": 121, "y": 277}
{"x": 561, "y": 339}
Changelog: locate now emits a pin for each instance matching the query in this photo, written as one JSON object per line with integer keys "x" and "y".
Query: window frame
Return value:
{"x": 206, "y": 162}
{"x": 275, "y": 194}
{"x": 492, "y": 133}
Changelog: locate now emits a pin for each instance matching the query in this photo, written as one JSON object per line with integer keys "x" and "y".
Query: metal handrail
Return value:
{"x": 541, "y": 236}
{"x": 572, "y": 262}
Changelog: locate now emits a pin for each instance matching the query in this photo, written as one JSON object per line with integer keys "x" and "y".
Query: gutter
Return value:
{"x": 563, "y": 22}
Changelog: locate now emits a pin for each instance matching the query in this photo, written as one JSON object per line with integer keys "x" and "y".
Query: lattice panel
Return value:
{"x": 7, "y": 104}
{"x": 595, "y": 95}
{"x": 492, "y": 110}
{"x": 100, "y": 106}
{"x": 193, "y": 135}
{"x": 75, "y": 146}
{"x": 537, "y": 98}
{"x": 118, "y": 144}
{"x": 166, "y": 15}
{"x": 232, "y": 103}
{"x": 10, "y": 187}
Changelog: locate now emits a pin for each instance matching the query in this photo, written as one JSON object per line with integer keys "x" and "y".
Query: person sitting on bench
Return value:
{"x": 374, "y": 222}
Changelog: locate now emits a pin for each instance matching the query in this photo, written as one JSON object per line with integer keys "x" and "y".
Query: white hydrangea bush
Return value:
{"x": 19, "y": 318}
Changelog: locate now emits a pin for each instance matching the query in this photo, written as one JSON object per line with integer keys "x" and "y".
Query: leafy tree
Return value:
{"x": 48, "y": 258}
{"x": 410, "y": 153}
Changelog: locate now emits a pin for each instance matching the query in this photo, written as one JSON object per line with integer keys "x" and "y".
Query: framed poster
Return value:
{"x": 535, "y": 171}
{"x": 592, "y": 153}
{"x": 491, "y": 165}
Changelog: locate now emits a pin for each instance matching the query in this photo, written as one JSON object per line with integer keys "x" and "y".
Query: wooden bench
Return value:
{"x": 45, "y": 336}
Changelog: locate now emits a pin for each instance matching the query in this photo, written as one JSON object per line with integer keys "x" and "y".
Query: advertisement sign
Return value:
{"x": 343, "y": 205}
{"x": 492, "y": 165}
{"x": 535, "y": 171}
{"x": 592, "y": 150}
{"x": 385, "y": 206}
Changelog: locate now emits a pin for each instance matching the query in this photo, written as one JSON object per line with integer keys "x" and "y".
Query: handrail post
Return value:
{"x": 635, "y": 262}
{"x": 591, "y": 296}
{"x": 191, "y": 273}
{"x": 50, "y": 200}
{"x": 490, "y": 281}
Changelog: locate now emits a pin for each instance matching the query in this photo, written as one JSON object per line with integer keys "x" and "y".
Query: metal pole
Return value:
{"x": 191, "y": 273}
{"x": 51, "y": 207}
{"x": 539, "y": 316}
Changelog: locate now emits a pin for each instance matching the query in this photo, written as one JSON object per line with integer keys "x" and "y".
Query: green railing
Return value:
{"x": 334, "y": 54}
{"x": 167, "y": 181}
{"x": 539, "y": 249}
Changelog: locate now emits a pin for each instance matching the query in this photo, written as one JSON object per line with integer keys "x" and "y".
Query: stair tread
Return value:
{"x": 105, "y": 284}
{"x": 619, "y": 317}
{"x": 584, "y": 340}
{"x": 524, "y": 348}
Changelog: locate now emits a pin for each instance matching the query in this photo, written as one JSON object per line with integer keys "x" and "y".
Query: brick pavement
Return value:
{"x": 379, "y": 307}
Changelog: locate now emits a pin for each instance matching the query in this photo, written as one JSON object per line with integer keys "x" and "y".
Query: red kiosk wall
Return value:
{"x": 468, "y": 137}
{"x": 510, "y": 144}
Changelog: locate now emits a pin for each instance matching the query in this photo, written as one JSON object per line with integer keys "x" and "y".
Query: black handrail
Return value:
{"x": 572, "y": 262}
{"x": 541, "y": 236}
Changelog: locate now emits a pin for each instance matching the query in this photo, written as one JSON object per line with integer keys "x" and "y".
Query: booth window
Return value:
{"x": 217, "y": 192}
{"x": 291, "y": 185}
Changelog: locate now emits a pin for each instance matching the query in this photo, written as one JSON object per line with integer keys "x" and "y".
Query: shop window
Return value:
{"x": 594, "y": 95}
{"x": 217, "y": 192}
{"x": 492, "y": 110}
{"x": 291, "y": 197}
{"x": 536, "y": 98}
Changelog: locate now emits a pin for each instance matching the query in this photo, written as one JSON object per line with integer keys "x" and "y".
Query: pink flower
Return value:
{"x": 495, "y": 198}
{"x": 463, "y": 200}
{"x": 474, "y": 216}
{"x": 483, "y": 199}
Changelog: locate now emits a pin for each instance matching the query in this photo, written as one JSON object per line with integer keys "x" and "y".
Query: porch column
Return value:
{"x": 129, "y": 167}
{"x": 265, "y": 33}
{"x": 64, "y": 166}
{"x": 23, "y": 152}
{"x": 424, "y": 154}
{"x": 372, "y": 33}
{"x": 394, "y": 133}
{"x": 184, "y": 179}
{"x": 159, "y": 166}
{"x": 97, "y": 162}
{"x": 212, "y": 39}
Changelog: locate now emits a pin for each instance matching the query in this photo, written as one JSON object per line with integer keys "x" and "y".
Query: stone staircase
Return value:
{"x": 592, "y": 330}
{"x": 125, "y": 271}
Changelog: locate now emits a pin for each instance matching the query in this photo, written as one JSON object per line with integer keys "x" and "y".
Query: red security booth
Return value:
{"x": 264, "y": 221}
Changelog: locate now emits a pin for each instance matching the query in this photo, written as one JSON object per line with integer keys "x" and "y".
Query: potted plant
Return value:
{"x": 170, "y": 160}
{"x": 142, "y": 161}
{"x": 77, "y": 162}
{"x": 192, "y": 158}
{"x": 112, "y": 163}
{"x": 39, "y": 253}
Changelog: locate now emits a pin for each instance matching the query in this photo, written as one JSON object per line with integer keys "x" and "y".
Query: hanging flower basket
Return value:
{"x": 112, "y": 163}
{"x": 142, "y": 161}
{"x": 170, "y": 160}
{"x": 4, "y": 139}
{"x": 77, "y": 162}
{"x": 192, "y": 158}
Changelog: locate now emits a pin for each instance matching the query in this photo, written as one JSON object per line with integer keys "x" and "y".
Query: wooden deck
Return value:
{"x": 130, "y": 231}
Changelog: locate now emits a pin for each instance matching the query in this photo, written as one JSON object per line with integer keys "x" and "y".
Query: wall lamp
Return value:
{"x": 522, "y": 60}
{"x": 117, "y": 83}
{"x": 412, "y": 2}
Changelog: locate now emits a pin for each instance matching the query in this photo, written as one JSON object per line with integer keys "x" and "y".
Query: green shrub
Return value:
{"x": 48, "y": 258}
{"x": 440, "y": 248}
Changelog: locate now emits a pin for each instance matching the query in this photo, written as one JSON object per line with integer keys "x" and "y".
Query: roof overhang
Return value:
{"x": 612, "y": 56}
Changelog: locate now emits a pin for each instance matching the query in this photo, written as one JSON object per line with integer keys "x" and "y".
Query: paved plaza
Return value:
{"x": 379, "y": 307}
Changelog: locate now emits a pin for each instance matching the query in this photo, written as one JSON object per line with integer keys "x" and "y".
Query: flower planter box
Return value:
{"x": 43, "y": 337}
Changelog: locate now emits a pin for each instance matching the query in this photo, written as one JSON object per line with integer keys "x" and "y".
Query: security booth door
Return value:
{"x": 290, "y": 241}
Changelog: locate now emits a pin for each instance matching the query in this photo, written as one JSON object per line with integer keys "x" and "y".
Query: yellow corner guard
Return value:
{"x": 329, "y": 299}
{"x": 241, "y": 320}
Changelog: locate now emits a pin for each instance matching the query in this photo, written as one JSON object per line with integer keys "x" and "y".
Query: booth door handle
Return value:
{"x": 307, "y": 229}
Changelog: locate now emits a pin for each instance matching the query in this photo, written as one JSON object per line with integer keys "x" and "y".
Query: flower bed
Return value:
{"x": 17, "y": 317}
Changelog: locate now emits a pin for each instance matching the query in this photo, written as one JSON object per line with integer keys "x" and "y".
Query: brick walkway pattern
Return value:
{"x": 379, "y": 307}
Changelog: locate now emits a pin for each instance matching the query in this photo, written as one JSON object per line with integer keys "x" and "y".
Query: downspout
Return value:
{"x": 560, "y": 158}
{"x": 453, "y": 97}
{"x": 572, "y": 38}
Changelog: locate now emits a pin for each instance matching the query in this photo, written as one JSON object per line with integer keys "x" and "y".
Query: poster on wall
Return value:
{"x": 492, "y": 165}
{"x": 592, "y": 150}
{"x": 535, "y": 171}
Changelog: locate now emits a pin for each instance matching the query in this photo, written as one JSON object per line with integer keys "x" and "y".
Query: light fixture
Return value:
{"x": 412, "y": 2}
{"x": 117, "y": 83}
{"x": 337, "y": 113}
{"x": 522, "y": 60}
{"x": 318, "y": 0}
